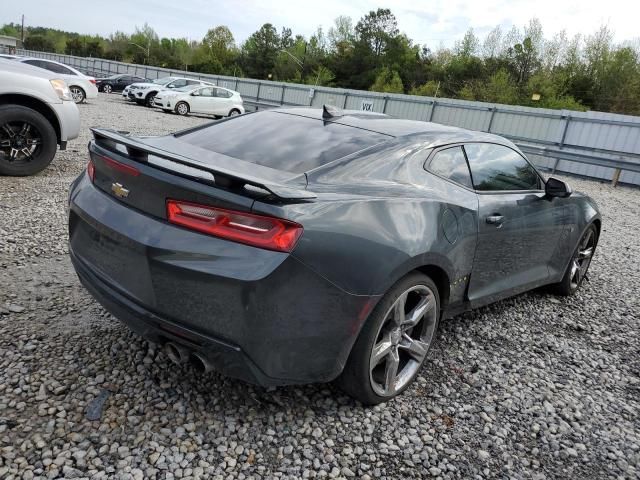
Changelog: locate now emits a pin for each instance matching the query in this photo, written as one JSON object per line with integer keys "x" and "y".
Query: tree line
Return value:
{"x": 519, "y": 66}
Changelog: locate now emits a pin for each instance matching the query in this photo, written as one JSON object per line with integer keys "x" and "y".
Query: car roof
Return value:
{"x": 23, "y": 59}
{"x": 432, "y": 133}
{"x": 25, "y": 69}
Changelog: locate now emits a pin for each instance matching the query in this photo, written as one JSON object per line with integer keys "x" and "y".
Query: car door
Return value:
{"x": 200, "y": 100}
{"x": 518, "y": 227}
{"x": 223, "y": 101}
{"x": 122, "y": 82}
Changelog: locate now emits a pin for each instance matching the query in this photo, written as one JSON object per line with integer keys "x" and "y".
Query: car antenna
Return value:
{"x": 331, "y": 111}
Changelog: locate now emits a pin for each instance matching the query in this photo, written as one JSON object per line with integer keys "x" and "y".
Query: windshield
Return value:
{"x": 163, "y": 80}
{"x": 282, "y": 141}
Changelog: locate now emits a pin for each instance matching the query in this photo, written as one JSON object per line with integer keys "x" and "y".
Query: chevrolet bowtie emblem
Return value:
{"x": 119, "y": 190}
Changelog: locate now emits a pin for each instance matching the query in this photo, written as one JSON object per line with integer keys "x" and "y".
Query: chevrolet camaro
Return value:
{"x": 303, "y": 245}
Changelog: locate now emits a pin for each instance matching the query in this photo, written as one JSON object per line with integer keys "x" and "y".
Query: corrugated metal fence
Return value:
{"x": 594, "y": 144}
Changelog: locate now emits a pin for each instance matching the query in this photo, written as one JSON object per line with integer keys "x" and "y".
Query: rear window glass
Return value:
{"x": 282, "y": 141}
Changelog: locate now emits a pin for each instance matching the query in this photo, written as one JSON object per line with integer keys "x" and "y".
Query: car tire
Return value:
{"x": 14, "y": 117}
{"x": 77, "y": 94}
{"x": 148, "y": 100}
{"x": 107, "y": 88}
{"x": 395, "y": 326}
{"x": 578, "y": 265}
{"x": 182, "y": 108}
{"x": 234, "y": 112}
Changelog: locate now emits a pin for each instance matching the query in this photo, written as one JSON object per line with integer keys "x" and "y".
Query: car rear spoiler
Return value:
{"x": 140, "y": 151}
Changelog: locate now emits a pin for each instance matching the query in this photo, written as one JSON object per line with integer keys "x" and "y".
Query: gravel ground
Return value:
{"x": 531, "y": 387}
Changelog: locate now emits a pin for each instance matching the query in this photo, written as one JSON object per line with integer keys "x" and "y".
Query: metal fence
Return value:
{"x": 593, "y": 144}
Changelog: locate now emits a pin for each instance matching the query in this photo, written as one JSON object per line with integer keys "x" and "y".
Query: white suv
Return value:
{"x": 37, "y": 113}
{"x": 144, "y": 93}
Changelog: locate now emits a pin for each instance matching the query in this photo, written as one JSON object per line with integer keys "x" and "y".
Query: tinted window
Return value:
{"x": 192, "y": 82}
{"x": 177, "y": 84}
{"x": 451, "y": 164}
{"x": 35, "y": 63}
{"x": 286, "y": 142}
{"x": 495, "y": 167}
{"x": 54, "y": 67}
{"x": 222, "y": 93}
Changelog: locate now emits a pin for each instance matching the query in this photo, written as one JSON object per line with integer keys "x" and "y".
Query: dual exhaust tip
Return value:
{"x": 180, "y": 355}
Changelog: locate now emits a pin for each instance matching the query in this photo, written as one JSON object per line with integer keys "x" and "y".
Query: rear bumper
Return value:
{"x": 257, "y": 315}
{"x": 226, "y": 358}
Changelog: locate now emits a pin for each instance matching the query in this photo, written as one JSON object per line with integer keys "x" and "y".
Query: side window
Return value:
{"x": 450, "y": 163}
{"x": 191, "y": 82}
{"x": 205, "y": 92}
{"x": 35, "y": 63}
{"x": 177, "y": 84}
{"x": 54, "y": 67}
{"x": 222, "y": 93}
{"x": 496, "y": 167}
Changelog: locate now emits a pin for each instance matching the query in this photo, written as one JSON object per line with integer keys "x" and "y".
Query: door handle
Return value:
{"x": 495, "y": 219}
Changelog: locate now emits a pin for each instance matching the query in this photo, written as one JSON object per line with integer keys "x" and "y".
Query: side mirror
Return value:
{"x": 195, "y": 94}
{"x": 171, "y": 86}
{"x": 557, "y": 188}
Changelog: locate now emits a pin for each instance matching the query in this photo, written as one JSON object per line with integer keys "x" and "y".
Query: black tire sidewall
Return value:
{"x": 84, "y": 95}
{"x": 355, "y": 377}
{"x": 182, "y": 103}
{"x": 43, "y": 158}
{"x": 564, "y": 287}
{"x": 148, "y": 100}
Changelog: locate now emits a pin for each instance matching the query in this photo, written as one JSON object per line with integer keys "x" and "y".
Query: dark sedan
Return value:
{"x": 117, "y": 83}
{"x": 302, "y": 245}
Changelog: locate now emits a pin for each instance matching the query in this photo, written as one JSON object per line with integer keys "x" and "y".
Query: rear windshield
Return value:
{"x": 282, "y": 141}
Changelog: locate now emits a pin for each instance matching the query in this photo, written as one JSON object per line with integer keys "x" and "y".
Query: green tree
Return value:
{"x": 260, "y": 51}
{"x": 39, "y": 43}
{"x": 387, "y": 81}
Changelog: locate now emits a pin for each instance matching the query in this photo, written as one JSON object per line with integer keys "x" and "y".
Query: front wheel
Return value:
{"x": 28, "y": 142}
{"x": 394, "y": 342}
{"x": 107, "y": 88}
{"x": 182, "y": 108}
{"x": 579, "y": 264}
{"x": 77, "y": 94}
{"x": 149, "y": 99}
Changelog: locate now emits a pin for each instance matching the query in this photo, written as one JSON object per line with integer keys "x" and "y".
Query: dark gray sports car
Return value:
{"x": 303, "y": 245}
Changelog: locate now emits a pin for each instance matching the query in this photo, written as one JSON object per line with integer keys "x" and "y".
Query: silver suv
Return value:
{"x": 37, "y": 113}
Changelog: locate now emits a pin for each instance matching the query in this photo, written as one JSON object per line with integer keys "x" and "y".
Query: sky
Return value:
{"x": 433, "y": 22}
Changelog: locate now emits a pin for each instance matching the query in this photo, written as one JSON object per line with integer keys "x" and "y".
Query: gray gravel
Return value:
{"x": 532, "y": 387}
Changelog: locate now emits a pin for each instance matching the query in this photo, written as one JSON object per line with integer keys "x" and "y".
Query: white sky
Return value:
{"x": 426, "y": 22}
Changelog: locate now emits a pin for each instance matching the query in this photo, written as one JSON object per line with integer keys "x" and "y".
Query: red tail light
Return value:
{"x": 256, "y": 230}
{"x": 121, "y": 167}
{"x": 92, "y": 80}
{"x": 91, "y": 170}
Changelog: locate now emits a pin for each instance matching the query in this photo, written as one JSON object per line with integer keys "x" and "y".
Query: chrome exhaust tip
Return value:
{"x": 176, "y": 353}
{"x": 200, "y": 363}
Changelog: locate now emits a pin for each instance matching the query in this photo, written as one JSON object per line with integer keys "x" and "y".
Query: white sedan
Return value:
{"x": 217, "y": 101}
{"x": 82, "y": 86}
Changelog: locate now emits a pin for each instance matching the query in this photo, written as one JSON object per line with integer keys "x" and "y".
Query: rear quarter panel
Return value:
{"x": 379, "y": 217}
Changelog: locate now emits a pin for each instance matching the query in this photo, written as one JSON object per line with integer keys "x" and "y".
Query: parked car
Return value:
{"x": 82, "y": 86}
{"x": 302, "y": 245}
{"x": 37, "y": 113}
{"x": 217, "y": 101}
{"x": 144, "y": 93}
{"x": 117, "y": 83}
